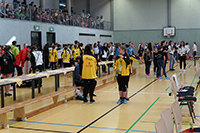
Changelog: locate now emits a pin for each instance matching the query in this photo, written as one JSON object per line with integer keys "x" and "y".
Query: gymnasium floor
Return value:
{"x": 148, "y": 97}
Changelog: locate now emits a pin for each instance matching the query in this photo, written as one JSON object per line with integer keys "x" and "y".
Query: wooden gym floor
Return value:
{"x": 148, "y": 97}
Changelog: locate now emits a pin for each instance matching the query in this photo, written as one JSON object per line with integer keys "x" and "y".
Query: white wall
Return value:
{"x": 100, "y": 7}
{"x": 64, "y": 34}
{"x": 52, "y": 4}
{"x": 185, "y": 13}
{"x": 79, "y": 5}
{"x": 140, "y": 14}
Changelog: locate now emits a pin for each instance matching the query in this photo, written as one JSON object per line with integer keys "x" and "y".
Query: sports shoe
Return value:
{"x": 155, "y": 73}
{"x": 167, "y": 78}
{"x": 85, "y": 101}
{"x": 124, "y": 101}
{"x": 92, "y": 101}
{"x": 127, "y": 99}
{"x": 148, "y": 75}
{"x": 160, "y": 78}
{"x": 180, "y": 70}
{"x": 8, "y": 94}
{"x": 119, "y": 101}
{"x": 183, "y": 70}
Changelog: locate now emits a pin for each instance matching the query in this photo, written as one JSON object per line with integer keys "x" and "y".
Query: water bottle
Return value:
{"x": 65, "y": 99}
{"x": 116, "y": 75}
{"x": 181, "y": 83}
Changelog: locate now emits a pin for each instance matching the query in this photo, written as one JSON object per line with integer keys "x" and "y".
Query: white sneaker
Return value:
{"x": 180, "y": 70}
{"x": 183, "y": 70}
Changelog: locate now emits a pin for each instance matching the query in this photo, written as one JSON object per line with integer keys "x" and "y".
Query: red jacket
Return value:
{"x": 21, "y": 57}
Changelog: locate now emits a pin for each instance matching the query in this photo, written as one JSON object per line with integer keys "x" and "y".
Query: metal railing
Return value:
{"x": 31, "y": 13}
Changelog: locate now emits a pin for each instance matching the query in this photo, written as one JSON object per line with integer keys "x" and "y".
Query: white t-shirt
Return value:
{"x": 194, "y": 47}
{"x": 60, "y": 53}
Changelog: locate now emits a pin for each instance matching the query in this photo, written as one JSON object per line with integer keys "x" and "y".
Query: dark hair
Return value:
{"x": 33, "y": 47}
{"x": 183, "y": 44}
{"x": 14, "y": 43}
{"x": 81, "y": 44}
{"x": 29, "y": 47}
{"x": 6, "y": 49}
{"x": 162, "y": 43}
{"x": 78, "y": 58}
{"x": 160, "y": 47}
{"x": 87, "y": 49}
{"x": 53, "y": 47}
{"x": 75, "y": 41}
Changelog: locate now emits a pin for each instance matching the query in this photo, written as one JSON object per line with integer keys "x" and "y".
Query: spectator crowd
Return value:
{"x": 24, "y": 11}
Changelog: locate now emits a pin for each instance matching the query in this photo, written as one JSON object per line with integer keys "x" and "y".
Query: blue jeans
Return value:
{"x": 172, "y": 61}
{"x": 161, "y": 64}
{"x": 176, "y": 55}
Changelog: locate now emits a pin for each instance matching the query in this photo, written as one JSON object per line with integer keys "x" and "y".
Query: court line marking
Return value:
{"x": 117, "y": 105}
{"x": 142, "y": 115}
{"x": 133, "y": 92}
{"x": 69, "y": 125}
{"x": 42, "y": 130}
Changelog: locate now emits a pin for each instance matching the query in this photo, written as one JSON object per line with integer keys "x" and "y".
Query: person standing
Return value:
{"x": 122, "y": 69}
{"x": 182, "y": 52}
{"x": 171, "y": 55}
{"x": 20, "y": 59}
{"x": 53, "y": 58}
{"x": 88, "y": 69}
{"x": 96, "y": 51}
{"x": 99, "y": 47}
{"x": 194, "y": 49}
{"x": 15, "y": 51}
{"x": 66, "y": 57}
{"x": 46, "y": 56}
{"x": 165, "y": 51}
{"x": 141, "y": 53}
{"x": 111, "y": 53}
{"x": 105, "y": 52}
{"x": 60, "y": 51}
{"x": 7, "y": 66}
{"x": 36, "y": 61}
{"x": 161, "y": 59}
{"x": 155, "y": 58}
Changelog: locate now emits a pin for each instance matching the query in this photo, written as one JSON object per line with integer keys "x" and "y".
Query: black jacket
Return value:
{"x": 6, "y": 62}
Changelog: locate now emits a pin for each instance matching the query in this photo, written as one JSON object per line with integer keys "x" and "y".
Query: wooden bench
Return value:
{"x": 18, "y": 108}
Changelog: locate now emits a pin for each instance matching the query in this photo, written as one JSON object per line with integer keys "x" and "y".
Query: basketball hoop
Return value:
{"x": 168, "y": 35}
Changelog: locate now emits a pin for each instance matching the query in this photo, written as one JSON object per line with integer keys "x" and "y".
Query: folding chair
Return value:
{"x": 166, "y": 115}
{"x": 185, "y": 97}
{"x": 178, "y": 119}
{"x": 160, "y": 126}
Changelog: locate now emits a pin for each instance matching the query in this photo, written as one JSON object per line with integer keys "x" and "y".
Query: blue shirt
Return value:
{"x": 116, "y": 52}
{"x": 99, "y": 47}
{"x": 130, "y": 50}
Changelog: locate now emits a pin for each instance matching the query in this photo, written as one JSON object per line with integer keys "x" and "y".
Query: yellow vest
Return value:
{"x": 66, "y": 56}
{"x": 121, "y": 64}
{"x": 53, "y": 56}
{"x": 76, "y": 53}
{"x": 89, "y": 67}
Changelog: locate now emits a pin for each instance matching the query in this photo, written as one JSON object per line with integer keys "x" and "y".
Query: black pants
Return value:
{"x": 46, "y": 62}
{"x": 182, "y": 59}
{"x": 147, "y": 68}
{"x": 60, "y": 63}
{"x": 155, "y": 68}
{"x": 19, "y": 70}
{"x": 103, "y": 67}
{"x": 66, "y": 65}
{"x": 110, "y": 59}
{"x": 79, "y": 84}
{"x": 89, "y": 85}
{"x": 40, "y": 70}
{"x": 122, "y": 82}
{"x": 53, "y": 65}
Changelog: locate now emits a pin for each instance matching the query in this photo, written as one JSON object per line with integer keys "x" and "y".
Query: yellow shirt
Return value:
{"x": 53, "y": 56}
{"x": 66, "y": 56}
{"x": 76, "y": 53}
{"x": 122, "y": 66}
{"x": 89, "y": 67}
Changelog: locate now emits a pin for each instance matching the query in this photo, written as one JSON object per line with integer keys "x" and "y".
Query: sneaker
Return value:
{"x": 8, "y": 94}
{"x": 183, "y": 70}
{"x": 155, "y": 73}
{"x": 103, "y": 72}
{"x": 92, "y": 101}
{"x": 173, "y": 69}
{"x": 148, "y": 75}
{"x": 160, "y": 78}
{"x": 167, "y": 78}
{"x": 94, "y": 95}
{"x": 119, "y": 101}
{"x": 180, "y": 70}
{"x": 85, "y": 101}
{"x": 125, "y": 101}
